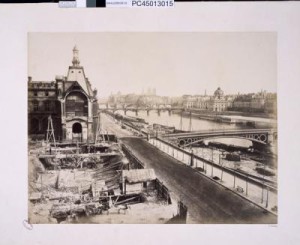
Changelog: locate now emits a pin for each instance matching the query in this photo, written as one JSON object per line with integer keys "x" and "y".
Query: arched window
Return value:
{"x": 76, "y": 104}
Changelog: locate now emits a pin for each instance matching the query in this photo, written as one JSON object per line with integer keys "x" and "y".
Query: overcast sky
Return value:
{"x": 173, "y": 63}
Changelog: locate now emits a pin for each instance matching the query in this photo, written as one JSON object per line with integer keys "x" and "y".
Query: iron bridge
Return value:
{"x": 260, "y": 136}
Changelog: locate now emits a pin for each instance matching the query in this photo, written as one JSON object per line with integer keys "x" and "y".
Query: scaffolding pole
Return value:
{"x": 180, "y": 124}
{"x": 190, "y": 125}
{"x": 99, "y": 132}
{"x": 50, "y": 132}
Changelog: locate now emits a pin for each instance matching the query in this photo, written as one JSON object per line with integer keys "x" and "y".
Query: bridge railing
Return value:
{"x": 142, "y": 108}
{"x": 222, "y": 132}
{"x": 225, "y": 169}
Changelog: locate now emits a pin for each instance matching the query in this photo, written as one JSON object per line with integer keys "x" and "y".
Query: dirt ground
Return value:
{"x": 152, "y": 211}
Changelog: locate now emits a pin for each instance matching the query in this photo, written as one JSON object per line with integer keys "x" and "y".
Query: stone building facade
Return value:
{"x": 256, "y": 102}
{"x": 69, "y": 100}
{"x": 218, "y": 102}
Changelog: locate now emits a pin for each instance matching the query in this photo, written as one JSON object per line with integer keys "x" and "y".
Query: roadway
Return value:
{"x": 207, "y": 201}
{"x": 110, "y": 125}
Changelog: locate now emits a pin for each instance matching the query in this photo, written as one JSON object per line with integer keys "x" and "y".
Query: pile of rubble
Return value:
{"x": 71, "y": 186}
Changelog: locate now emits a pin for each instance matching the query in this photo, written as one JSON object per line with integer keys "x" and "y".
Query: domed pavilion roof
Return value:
{"x": 219, "y": 92}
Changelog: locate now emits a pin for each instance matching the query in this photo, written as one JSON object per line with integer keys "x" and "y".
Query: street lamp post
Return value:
{"x": 234, "y": 179}
{"x": 192, "y": 158}
{"x": 221, "y": 166}
{"x": 262, "y": 186}
{"x": 267, "y": 201}
{"x": 247, "y": 184}
{"x": 212, "y": 159}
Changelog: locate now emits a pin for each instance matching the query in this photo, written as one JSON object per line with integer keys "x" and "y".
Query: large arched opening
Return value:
{"x": 77, "y": 132}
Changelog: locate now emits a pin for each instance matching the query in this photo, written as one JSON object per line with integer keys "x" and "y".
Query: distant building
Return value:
{"x": 253, "y": 102}
{"x": 150, "y": 92}
{"x": 271, "y": 103}
{"x": 69, "y": 100}
{"x": 218, "y": 102}
{"x": 189, "y": 101}
{"x": 149, "y": 99}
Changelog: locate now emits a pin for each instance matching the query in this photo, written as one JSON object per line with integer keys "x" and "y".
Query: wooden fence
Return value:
{"x": 162, "y": 191}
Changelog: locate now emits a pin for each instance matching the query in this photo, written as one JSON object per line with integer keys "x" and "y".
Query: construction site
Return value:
{"x": 99, "y": 182}
{"x": 79, "y": 170}
{"x": 93, "y": 165}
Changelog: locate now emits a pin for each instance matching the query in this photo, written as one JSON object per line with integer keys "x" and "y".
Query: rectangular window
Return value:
{"x": 46, "y": 93}
{"x": 70, "y": 106}
{"x": 35, "y": 93}
{"x": 35, "y": 106}
{"x": 47, "y": 106}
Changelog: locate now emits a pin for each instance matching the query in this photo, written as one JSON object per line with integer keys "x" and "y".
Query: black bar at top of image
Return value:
{"x": 34, "y": 1}
{"x": 100, "y": 3}
{"x": 31, "y": 1}
{"x": 233, "y": 0}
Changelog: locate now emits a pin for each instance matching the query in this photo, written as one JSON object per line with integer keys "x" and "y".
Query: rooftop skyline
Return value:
{"x": 173, "y": 63}
{"x": 198, "y": 94}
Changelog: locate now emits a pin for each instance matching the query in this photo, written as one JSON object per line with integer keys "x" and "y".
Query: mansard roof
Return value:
{"x": 76, "y": 73}
{"x": 75, "y": 87}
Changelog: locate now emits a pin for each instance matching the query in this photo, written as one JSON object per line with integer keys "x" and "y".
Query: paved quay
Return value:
{"x": 207, "y": 201}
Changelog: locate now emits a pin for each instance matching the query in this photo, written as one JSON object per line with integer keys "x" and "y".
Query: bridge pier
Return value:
{"x": 148, "y": 112}
{"x": 158, "y": 112}
{"x": 170, "y": 112}
{"x": 272, "y": 137}
{"x": 125, "y": 112}
{"x": 136, "y": 112}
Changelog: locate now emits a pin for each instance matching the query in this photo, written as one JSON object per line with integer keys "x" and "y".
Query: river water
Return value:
{"x": 174, "y": 120}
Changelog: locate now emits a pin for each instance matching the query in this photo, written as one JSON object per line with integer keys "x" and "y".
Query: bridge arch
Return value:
{"x": 191, "y": 141}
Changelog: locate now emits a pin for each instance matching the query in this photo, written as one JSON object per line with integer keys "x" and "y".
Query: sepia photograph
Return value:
{"x": 152, "y": 128}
